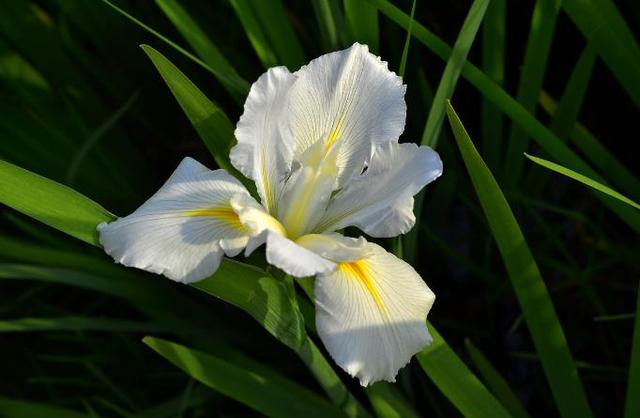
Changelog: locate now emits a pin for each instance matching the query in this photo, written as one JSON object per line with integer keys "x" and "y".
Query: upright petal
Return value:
{"x": 380, "y": 200}
{"x": 184, "y": 229}
{"x": 263, "y": 153}
{"x": 371, "y": 313}
{"x": 347, "y": 99}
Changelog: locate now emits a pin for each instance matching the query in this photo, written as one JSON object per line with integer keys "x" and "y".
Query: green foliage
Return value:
{"x": 527, "y": 282}
{"x": 271, "y": 395}
{"x": 84, "y": 118}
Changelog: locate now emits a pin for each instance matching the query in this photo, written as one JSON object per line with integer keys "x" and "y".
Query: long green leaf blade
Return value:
{"x": 274, "y": 396}
{"x": 497, "y": 384}
{"x": 452, "y": 70}
{"x": 29, "y": 409}
{"x": 457, "y": 382}
{"x": 270, "y": 301}
{"x": 597, "y": 153}
{"x": 493, "y": 64}
{"x": 583, "y": 179}
{"x": 204, "y": 47}
{"x": 51, "y": 203}
{"x": 543, "y": 24}
{"x": 531, "y": 291}
{"x": 510, "y": 107}
{"x": 362, "y": 22}
{"x": 229, "y": 83}
{"x": 602, "y": 24}
{"x": 76, "y": 323}
{"x": 213, "y": 126}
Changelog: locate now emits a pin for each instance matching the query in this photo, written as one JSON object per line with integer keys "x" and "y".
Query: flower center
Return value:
{"x": 308, "y": 190}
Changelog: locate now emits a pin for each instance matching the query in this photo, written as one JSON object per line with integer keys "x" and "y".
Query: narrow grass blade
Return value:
{"x": 77, "y": 323}
{"x": 362, "y": 22}
{"x": 335, "y": 389}
{"x": 496, "y": 383}
{"x": 452, "y": 71}
{"x": 543, "y": 24}
{"x": 388, "y": 402}
{"x": 597, "y": 153}
{"x": 531, "y": 291}
{"x": 632, "y": 402}
{"x": 566, "y": 115}
{"x": 280, "y": 33}
{"x": 228, "y": 83}
{"x": 331, "y": 23}
{"x": 407, "y": 42}
{"x": 204, "y": 46}
{"x": 211, "y": 123}
{"x": 95, "y": 137}
{"x": 602, "y": 24}
{"x": 255, "y": 33}
{"x": 271, "y": 302}
{"x": 493, "y": 64}
{"x": 274, "y": 396}
{"x": 510, "y": 107}
{"x": 29, "y": 409}
{"x": 51, "y": 203}
{"x": 583, "y": 179}
{"x": 457, "y": 382}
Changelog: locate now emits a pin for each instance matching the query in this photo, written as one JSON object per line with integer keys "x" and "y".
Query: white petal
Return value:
{"x": 184, "y": 229}
{"x": 380, "y": 200}
{"x": 347, "y": 99}
{"x": 371, "y": 315}
{"x": 335, "y": 247}
{"x": 263, "y": 154}
{"x": 290, "y": 257}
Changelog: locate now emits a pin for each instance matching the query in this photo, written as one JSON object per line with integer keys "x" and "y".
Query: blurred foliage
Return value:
{"x": 81, "y": 104}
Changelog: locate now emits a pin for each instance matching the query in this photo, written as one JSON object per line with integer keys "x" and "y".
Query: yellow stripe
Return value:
{"x": 226, "y": 215}
{"x": 360, "y": 271}
{"x": 334, "y": 134}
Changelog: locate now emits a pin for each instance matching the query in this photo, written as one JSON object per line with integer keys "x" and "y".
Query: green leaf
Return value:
{"x": 230, "y": 84}
{"x": 270, "y": 301}
{"x": 270, "y": 32}
{"x": 271, "y": 395}
{"x": 388, "y": 402}
{"x": 497, "y": 384}
{"x": 493, "y": 63}
{"x": 331, "y": 23}
{"x": 51, "y": 203}
{"x": 583, "y": 179}
{"x": 530, "y": 289}
{"x": 632, "y": 402}
{"x": 457, "y": 382}
{"x": 255, "y": 33}
{"x": 204, "y": 47}
{"x": 543, "y": 24}
{"x": 603, "y": 25}
{"x": 362, "y": 22}
{"x": 510, "y": 107}
{"x": 77, "y": 323}
{"x": 211, "y": 123}
{"x": 597, "y": 153}
{"x": 407, "y": 42}
{"x": 452, "y": 70}
{"x": 29, "y": 409}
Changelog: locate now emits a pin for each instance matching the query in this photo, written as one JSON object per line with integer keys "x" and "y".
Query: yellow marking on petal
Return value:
{"x": 226, "y": 215}
{"x": 360, "y": 271}
{"x": 334, "y": 134}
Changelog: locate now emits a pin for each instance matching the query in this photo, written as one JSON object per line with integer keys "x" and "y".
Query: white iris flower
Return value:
{"x": 322, "y": 146}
